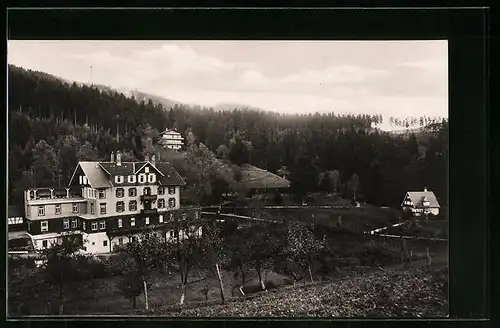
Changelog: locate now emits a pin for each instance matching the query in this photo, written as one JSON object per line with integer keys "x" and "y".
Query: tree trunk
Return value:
{"x": 220, "y": 283}
{"x": 262, "y": 285}
{"x": 243, "y": 278}
{"x": 310, "y": 273}
{"x": 429, "y": 258}
{"x": 146, "y": 301}
{"x": 183, "y": 293}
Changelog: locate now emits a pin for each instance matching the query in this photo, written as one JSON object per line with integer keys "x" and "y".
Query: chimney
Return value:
{"x": 147, "y": 157}
{"x": 425, "y": 189}
{"x": 118, "y": 158}
{"x": 112, "y": 157}
{"x": 153, "y": 159}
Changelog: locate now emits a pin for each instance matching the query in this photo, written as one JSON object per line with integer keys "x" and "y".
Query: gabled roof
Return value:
{"x": 139, "y": 166}
{"x": 417, "y": 198}
{"x": 170, "y": 131}
{"x": 94, "y": 173}
{"x": 98, "y": 173}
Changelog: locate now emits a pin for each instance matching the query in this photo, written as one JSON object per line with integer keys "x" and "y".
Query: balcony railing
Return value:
{"x": 149, "y": 211}
{"x": 148, "y": 197}
{"x": 54, "y": 193}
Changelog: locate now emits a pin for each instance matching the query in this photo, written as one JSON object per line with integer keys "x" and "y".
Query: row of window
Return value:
{"x": 132, "y": 192}
{"x": 141, "y": 178}
{"x": 41, "y": 209}
{"x": 120, "y": 207}
{"x": 132, "y": 220}
{"x": 101, "y": 225}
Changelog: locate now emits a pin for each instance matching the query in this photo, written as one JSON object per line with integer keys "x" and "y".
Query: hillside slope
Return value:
{"x": 415, "y": 292}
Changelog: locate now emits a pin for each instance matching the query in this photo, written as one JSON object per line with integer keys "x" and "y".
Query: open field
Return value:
{"x": 349, "y": 219}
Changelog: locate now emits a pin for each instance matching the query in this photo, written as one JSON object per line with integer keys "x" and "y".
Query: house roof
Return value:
{"x": 96, "y": 176}
{"x": 170, "y": 131}
{"x": 98, "y": 172}
{"x": 417, "y": 198}
{"x": 170, "y": 176}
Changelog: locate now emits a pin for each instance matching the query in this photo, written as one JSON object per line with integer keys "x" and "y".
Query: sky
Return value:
{"x": 392, "y": 78}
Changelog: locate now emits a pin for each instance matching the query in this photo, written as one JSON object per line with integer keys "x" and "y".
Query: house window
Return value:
{"x": 104, "y": 243}
{"x": 161, "y": 191}
{"x": 102, "y": 194}
{"x": 66, "y": 224}
{"x": 119, "y": 179}
{"x": 103, "y": 208}
{"x": 92, "y": 210}
{"x": 171, "y": 216}
{"x": 44, "y": 244}
{"x": 171, "y": 202}
{"x": 58, "y": 208}
{"x": 160, "y": 218}
{"x": 120, "y": 206}
{"x": 151, "y": 178}
{"x": 74, "y": 223}
{"x": 147, "y": 219}
{"x": 132, "y": 192}
{"x": 102, "y": 225}
{"x": 44, "y": 226}
{"x": 84, "y": 225}
{"x": 184, "y": 216}
{"x": 75, "y": 208}
{"x": 161, "y": 203}
{"x": 132, "y": 205}
{"x": 147, "y": 191}
{"x": 132, "y": 222}
{"x": 94, "y": 226}
{"x": 131, "y": 179}
{"x": 120, "y": 223}
{"x": 119, "y": 192}
{"x": 134, "y": 239}
{"x": 171, "y": 190}
{"x": 41, "y": 210}
{"x": 146, "y": 169}
{"x": 120, "y": 241}
{"x": 142, "y": 178}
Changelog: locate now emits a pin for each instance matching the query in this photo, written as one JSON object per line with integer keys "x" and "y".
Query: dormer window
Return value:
{"x": 142, "y": 178}
{"x": 146, "y": 169}
{"x": 151, "y": 178}
{"x": 131, "y": 179}
{"x": 426, "y": 203}
{"x": 119, "y": 179}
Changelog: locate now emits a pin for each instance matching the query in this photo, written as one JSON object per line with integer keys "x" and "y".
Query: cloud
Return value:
{"x": 334, "y": 75}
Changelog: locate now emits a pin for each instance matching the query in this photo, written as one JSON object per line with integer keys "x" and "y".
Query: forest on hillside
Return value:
{"x": 54, "y": 124}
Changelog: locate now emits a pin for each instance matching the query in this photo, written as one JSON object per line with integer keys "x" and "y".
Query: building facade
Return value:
{"x": 171, "y": 139}
{"x": 107, "y": 203}
{"x": 418, "y": 203}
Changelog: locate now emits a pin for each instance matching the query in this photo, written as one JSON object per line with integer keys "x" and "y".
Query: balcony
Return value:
{"x": 148, "y": 197}
{"x": 61, "y": 194}
{"x": 149, "y": 211}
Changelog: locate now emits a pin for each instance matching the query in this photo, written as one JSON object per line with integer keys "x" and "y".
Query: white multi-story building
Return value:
{"x": 171, "y": 139}
{"x": 107, "y": 203}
